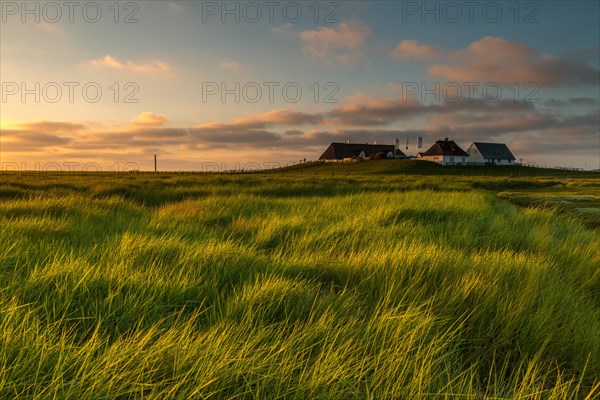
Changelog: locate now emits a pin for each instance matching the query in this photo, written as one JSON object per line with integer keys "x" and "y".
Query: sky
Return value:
{"x": 208, "y": 85}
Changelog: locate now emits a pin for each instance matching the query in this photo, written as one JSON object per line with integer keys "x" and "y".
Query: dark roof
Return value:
{"x": 339, "y": 151}
{"x": 494, "y": 150}
{"x": 445, "y": 148}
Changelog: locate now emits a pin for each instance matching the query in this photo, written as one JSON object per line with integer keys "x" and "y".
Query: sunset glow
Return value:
{"x": 195, "y": 83}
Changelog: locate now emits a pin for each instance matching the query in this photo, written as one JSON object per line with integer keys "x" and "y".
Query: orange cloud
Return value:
{"x": 154, "y": 68}
{"x": 499, "y": 60}
{"x": 107, "y": 62}
{"x": 148, "y": 119}
{"x": 494, "y": 59}
{"x": 497, "y": 50}
{"x": 48, "y": 27}
{"x": 340, "y": 45}
{"x": 229, "y": 65}
{"x": 175, "y": 7}
{"x": 284, "y": 30}
{"x": 408, "y": 49}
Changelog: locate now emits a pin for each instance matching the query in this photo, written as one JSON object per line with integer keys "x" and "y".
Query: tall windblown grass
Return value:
{"x": 252, "y": 286}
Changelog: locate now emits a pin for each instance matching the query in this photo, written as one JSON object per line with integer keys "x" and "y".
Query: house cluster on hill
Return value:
{"x": 444, "y": 152}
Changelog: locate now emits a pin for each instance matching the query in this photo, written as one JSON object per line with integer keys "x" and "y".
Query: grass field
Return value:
{"x": 379, "y": 280}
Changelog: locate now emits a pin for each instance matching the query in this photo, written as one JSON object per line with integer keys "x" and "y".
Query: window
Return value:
{"x": 451, "y": 159}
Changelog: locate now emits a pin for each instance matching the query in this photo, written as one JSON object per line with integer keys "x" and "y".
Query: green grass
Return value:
{"x": 364, "y": 281}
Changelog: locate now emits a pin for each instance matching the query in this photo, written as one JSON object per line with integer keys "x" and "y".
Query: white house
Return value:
{"x": 490, "y": 153}
{"x": 446, "y": 152}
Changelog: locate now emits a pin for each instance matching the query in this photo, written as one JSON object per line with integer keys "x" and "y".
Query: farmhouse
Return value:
{"x": 446, "y": 152}
{"x": 357, "y": 151}
{"x": 490, "y": 153}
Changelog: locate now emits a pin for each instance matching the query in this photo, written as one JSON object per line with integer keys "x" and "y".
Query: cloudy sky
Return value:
{"x": 201, "y": 84}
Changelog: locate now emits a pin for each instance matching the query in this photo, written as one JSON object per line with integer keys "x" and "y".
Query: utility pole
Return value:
{"x": 155, "y": 170}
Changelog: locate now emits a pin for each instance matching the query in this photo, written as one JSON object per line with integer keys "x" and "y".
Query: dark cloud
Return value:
{"x": 525, "y": 127}
{"x": 251, "y": 136}
{"x": 590, "y": 55}
{"x": 378, "y": 112}
{"x": 293, "y": 132}
{"x": 25, "y": 141}
{"x": 577, "y": 101}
